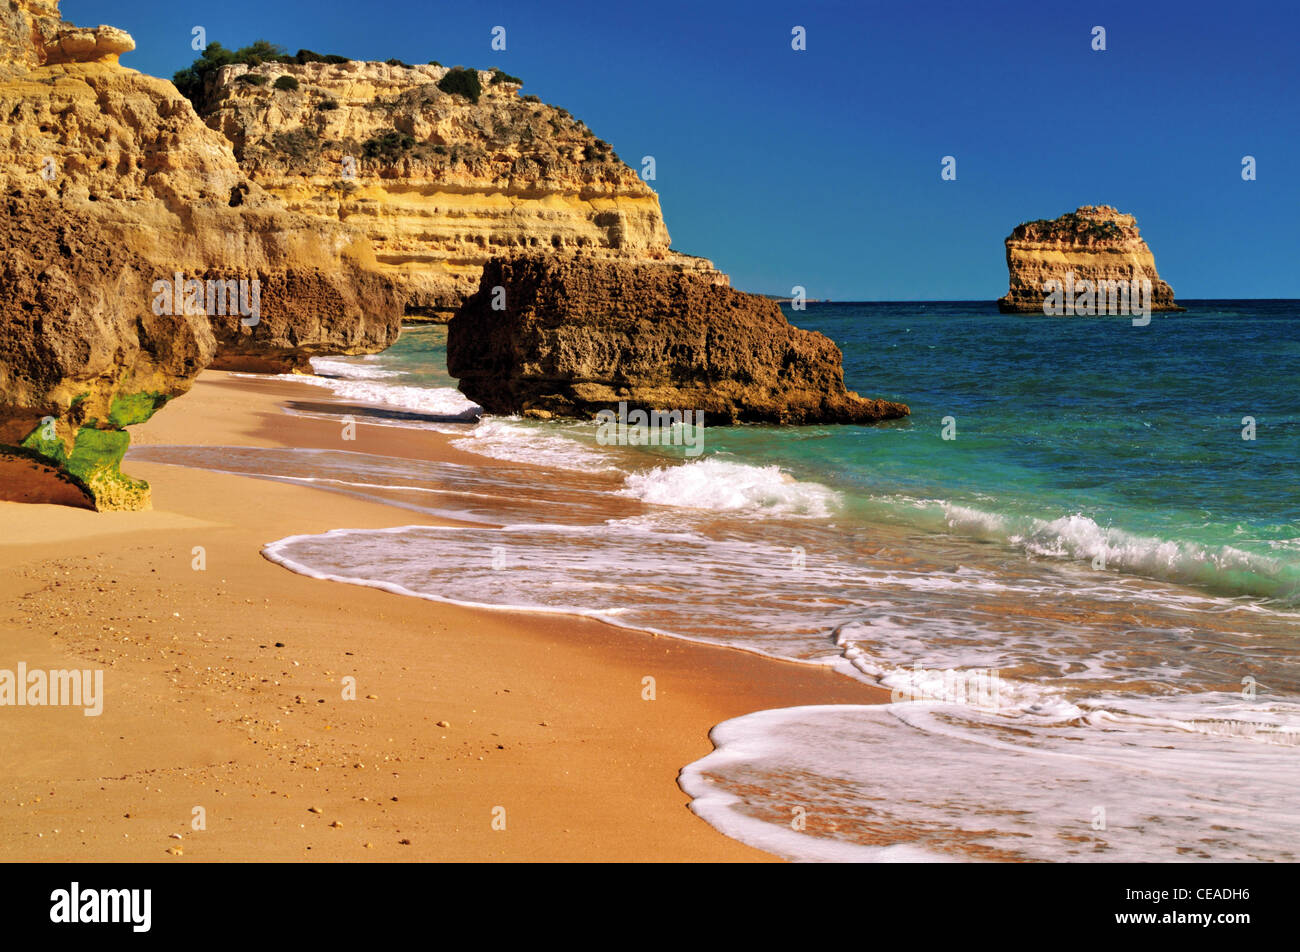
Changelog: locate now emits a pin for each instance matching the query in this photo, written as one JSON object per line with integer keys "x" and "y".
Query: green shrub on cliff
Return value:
{"x": 1069, "y": 227}
{"x": 388, "y": 146}
{"x": 257, "y": 53}
{"x": 251, "y": 79}
{"x": 307, "y": 56}
{"x": 300, "y": 143}
{"x": 286, "y": 82}
{"x": 462, "y": 82}
{"x": 500, "y": 76}
{"x": 190, "y": 80}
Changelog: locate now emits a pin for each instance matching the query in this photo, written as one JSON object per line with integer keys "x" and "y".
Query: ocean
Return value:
{"x": 1076, "y": 566}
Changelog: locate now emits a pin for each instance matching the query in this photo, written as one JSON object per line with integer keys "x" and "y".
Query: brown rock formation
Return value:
{"x": 578, "y": 334}
{"x": 110, "y": 184}
{"x": 1091, "y": 244}
{"x": 438, "y": 183}
{"x": 82, "y": 355}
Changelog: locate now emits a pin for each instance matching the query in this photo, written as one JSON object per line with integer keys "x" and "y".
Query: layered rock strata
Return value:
{"x": 1093, "y": 244}
{"x": 572, "y": 335}
{"x": 439, "y": 183}
{"x": 113, "y": 187}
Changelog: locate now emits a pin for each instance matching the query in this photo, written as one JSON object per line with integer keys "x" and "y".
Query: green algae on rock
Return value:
{"x": 94, "y": 465}
{"x": 82, "y": 356}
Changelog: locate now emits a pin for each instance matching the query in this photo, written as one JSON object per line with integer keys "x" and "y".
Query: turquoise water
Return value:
{"x": 420, "y": 356}
{"x": 1097, "y": 542}
{"x": 1137, "y": 428}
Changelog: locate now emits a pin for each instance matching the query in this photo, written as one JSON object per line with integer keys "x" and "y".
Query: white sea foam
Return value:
{"x": 962, "y": 783}
{"x": 722, "y": 485}
{"x": 742, "y": 740}
{"x": 1078, "y": 537}
{"x": 503, "y": 438}
{"x": 352, "y": 368}
{"x": 508, "y": 438}
{"x": 976, "y": 685}
{"x": 436, "y": 401}
{"x": 360, "y": 384}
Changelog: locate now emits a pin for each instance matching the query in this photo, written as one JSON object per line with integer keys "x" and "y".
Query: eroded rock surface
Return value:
{"x": 579, "y": 334}
{"x": 111, "y": 183}
{"x": 1093, "y": 243}
{"x": 438, "y": 183}
{"x": 82, "y": 356}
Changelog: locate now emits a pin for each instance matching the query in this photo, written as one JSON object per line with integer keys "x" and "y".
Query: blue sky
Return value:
{"x": 822, "y": 167}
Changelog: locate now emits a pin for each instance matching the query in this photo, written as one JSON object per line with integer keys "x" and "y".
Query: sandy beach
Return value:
{"x": 224, "y": 685}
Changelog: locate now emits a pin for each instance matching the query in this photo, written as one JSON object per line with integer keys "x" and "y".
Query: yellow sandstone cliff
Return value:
{"x": 111, "y": 184}
{"x": 439, "y": 183}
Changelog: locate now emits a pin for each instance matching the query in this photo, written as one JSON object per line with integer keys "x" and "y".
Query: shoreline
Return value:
{"x": 223, "y": 685}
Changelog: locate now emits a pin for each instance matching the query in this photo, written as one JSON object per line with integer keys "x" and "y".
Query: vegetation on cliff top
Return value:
{"x": 190, "y": 80}
{"x": 462, "y": 82}
{"x": 1069, "y": 227}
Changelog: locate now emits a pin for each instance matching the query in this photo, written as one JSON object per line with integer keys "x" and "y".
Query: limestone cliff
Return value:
{"x": 439, "y": 182}
{"x": 578, "y": 334}
{"x": 111, "y": 183}
{"x": 1093, "y": 243}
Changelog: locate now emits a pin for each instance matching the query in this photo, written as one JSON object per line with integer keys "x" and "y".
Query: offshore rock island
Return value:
{"x": 1093, "y": 244}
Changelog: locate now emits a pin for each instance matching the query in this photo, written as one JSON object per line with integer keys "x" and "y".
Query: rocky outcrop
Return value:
{"x": 82, "y": 356}
{"x": 571, "y": 335}
{"x": 111, "y": 184}
{"x": 33, "y": 34}
{"x": 1092, "y": 244}
{"x": 437, "y": 182}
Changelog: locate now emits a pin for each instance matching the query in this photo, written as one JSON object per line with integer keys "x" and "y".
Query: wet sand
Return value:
{"x": 225, "y": 684}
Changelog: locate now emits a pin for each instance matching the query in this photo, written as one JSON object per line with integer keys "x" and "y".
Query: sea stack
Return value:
{"x": 571, "y": 335}
{"x": 1095, "y": 244}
